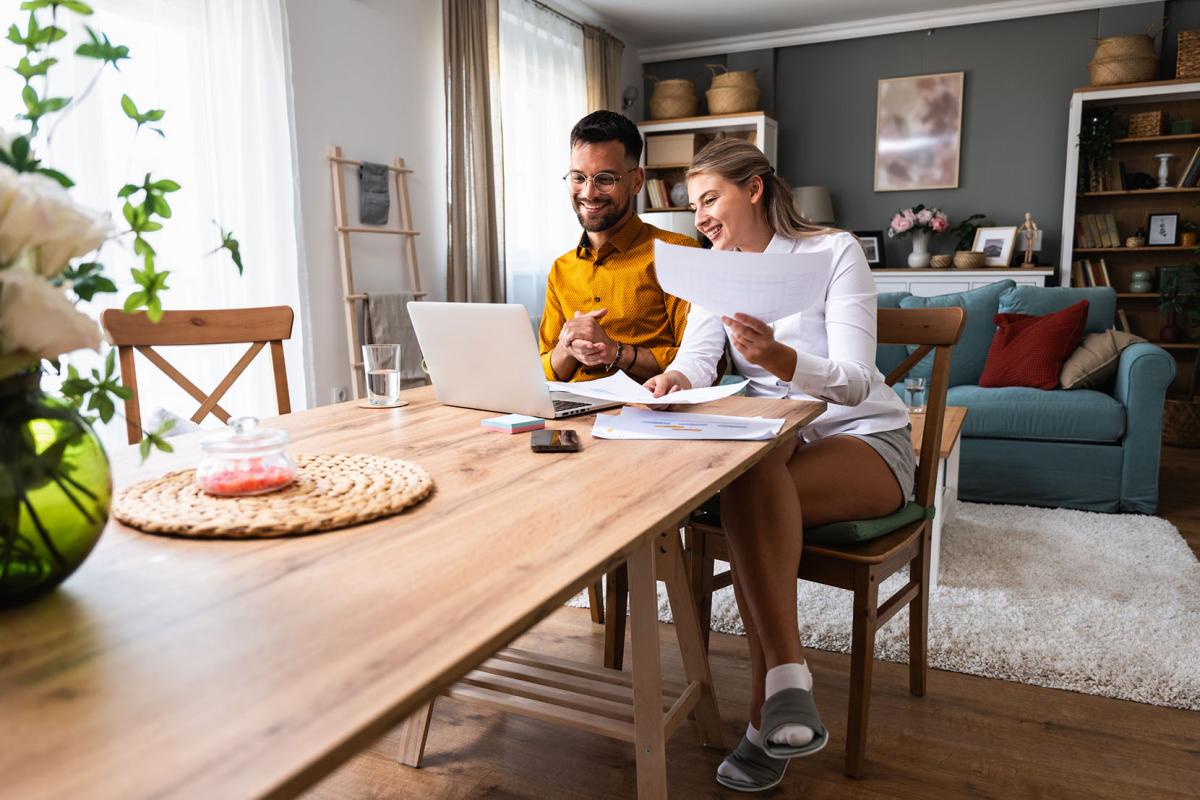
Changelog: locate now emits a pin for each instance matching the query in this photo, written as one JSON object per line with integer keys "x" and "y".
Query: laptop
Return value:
{"x": 485, "y": 356}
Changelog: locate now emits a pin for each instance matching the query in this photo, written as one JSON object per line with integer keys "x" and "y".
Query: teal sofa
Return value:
{"x": 1080, "y": 448}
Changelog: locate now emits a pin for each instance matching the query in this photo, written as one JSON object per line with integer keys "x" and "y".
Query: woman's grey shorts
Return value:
{"x": 895, "y": 447}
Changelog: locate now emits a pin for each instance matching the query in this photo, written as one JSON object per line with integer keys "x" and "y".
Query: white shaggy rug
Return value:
{"x": 1105, "y": 604}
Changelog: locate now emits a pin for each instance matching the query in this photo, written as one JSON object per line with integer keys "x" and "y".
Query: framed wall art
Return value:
{"x": 872, "y": 245}
{"x": 918, "y": 132}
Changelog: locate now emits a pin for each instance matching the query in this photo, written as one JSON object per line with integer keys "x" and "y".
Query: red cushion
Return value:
{"x": 1030, "y": 351}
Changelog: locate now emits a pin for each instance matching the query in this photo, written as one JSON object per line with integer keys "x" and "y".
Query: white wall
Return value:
{"x": 366, "y": 75}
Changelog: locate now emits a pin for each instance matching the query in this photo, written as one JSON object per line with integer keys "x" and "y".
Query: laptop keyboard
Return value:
{"x": 563, "y": 406}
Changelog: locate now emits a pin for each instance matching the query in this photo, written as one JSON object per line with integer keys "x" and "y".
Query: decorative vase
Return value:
{"x": 55, "y": 489}
{"x": 1140, "y": 281}
{"x": 919, "y": 257}
{"x": 1171, "y": 332}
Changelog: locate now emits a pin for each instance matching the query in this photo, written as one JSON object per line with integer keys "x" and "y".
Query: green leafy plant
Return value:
{"x": 1180, "y": 295}
{"x": 48, "y": 259}
{"x": 965, "y": 230}
{"x": 1096, "y": 133}
{"x": 1187, "y": 226}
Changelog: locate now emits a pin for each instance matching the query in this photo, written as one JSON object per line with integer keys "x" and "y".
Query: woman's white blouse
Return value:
{"x": 834, "y": 343}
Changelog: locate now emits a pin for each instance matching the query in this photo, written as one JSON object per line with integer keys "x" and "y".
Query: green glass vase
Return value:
{"x": 55, "y": 490}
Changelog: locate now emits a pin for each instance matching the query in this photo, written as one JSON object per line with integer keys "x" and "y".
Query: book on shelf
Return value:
{"x": 1110, "y": 224}
{"x": 1123, "y": 321}
{"x": 1189, "y": 174}
{"x": 1077, "y": 275}
{"x": 1088, "y": 278}
{"x": 1107, "y": 281}
{"x": 1081, "y": 238}
{"x": 1093, "y": 227}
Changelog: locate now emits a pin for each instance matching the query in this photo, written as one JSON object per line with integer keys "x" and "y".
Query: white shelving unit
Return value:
{"x": 1132, "y": 94}
{"x": 932, "y": 282}
{"x": 766, "y": 136}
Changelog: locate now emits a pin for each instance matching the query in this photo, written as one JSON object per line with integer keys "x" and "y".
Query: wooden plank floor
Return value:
{"x": 969, "y": 737}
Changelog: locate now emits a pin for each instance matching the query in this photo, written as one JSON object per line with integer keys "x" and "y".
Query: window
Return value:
{"x": 217, "y": 68}
{"x": 543, "y": 94}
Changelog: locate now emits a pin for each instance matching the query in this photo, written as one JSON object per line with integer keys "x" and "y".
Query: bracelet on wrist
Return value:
{"x": 616, "y": 358}
{"x": 632, "y": 358}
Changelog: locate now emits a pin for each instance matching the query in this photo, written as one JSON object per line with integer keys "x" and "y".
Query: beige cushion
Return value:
{"x": 1095, "y": 360}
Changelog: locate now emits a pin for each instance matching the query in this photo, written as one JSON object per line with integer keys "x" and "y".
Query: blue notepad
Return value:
{"x": 513, "y": 423}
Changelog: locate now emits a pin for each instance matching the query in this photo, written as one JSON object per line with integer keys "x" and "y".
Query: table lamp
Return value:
{"x": 814, "y": 204}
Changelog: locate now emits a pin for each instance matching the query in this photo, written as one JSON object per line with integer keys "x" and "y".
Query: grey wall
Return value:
{"x": 1018, "y": 84}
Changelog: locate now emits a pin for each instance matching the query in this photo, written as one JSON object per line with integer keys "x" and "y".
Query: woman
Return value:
{"x": 853, "y": 462}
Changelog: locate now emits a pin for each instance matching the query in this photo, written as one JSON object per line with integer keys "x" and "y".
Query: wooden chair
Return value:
{"x": 256, "y": 326}
{"x": 862, "y": 567}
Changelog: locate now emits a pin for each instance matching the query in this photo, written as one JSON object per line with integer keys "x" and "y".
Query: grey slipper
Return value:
{"x": 792, "y": 707}
{"x": 764, "y": 772}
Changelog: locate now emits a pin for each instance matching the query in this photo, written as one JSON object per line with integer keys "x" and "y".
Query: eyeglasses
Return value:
{"x": 603, "y": 181}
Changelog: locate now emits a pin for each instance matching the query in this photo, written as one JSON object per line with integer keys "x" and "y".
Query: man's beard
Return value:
{"x": 606, "y": 220}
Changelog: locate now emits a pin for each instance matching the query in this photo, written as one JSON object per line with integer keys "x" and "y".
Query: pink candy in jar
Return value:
{"x": 245, "y": 460}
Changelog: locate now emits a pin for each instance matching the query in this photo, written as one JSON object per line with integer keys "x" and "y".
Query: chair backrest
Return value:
{"x": 254, "y": 326}
{"x": 936, "y": 330}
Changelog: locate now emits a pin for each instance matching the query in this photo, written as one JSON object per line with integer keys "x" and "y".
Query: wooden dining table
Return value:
{"x": 180, "y": 668}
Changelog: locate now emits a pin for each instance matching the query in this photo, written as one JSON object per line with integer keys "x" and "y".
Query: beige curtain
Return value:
{"x": 602, "y": 54}
{"x": 474, "y": 268}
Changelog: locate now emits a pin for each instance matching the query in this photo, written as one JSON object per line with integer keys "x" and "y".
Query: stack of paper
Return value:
{"x": 637, "y": 423}
{"x": 621, "y": 388}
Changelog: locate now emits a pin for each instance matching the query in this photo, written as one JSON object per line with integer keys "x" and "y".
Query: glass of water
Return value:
{"x": 914, "y": 390}
{"x": 381, "y": 362}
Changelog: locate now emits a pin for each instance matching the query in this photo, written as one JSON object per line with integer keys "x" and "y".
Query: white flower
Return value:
{"x": 39, "y": 216}
{"x": 38, "y": 319}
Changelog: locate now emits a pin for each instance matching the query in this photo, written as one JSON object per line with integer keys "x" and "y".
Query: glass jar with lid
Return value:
{"x": 245, "y": 459}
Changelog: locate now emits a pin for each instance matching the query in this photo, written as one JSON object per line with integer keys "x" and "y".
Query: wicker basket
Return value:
{"x": 1187, "y": 59}
{"x": 969, "y": 259}
{"x": 1181, "y": 423}
{"x": 732, "y": 100}
{"x": 673, "y": 98}
{"x": 740, "y": 78}
{"x": 1146, "y": 123}
{"x": 1133, "y": 69}
{"x": 1137, "y": 45}
{"x": 941, "y": 261}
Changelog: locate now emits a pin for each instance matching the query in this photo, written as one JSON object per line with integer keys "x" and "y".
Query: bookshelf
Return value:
{"x": 1130, "y": 209}
{"x": 755, "y": 126}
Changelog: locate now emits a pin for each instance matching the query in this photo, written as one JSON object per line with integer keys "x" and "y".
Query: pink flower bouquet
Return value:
{"x": 917, "y": 218}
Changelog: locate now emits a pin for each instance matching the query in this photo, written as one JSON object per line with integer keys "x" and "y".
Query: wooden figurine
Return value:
{"x": 1030, "y": 228}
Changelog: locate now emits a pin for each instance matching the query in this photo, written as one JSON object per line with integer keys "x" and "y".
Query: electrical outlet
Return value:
{"x": 340, "y": 394}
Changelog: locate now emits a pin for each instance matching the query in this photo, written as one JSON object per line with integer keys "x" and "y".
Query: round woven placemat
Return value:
{"x": 331, "y": 491}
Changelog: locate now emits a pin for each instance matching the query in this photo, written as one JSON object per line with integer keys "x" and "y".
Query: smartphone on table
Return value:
{"x": 554, "y": 441}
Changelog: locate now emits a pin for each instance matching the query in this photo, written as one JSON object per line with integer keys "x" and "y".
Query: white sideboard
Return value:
{"x": 928, "y": 282}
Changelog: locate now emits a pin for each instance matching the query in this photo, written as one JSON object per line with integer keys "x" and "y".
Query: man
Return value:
{"x": 604, "y": 308}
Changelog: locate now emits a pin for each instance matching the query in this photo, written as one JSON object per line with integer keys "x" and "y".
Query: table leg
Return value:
{"x": 649, "y": 737}
{"x": 691, "y": 639}
{"x": 412, "y": 736}
{"x": 951, "y": 490}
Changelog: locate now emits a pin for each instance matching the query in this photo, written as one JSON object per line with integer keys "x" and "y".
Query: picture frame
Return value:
{"x": 918, "y": 132}
{"x": 996, "y": 244}
{"x": 1162, "y": 230}
{"x": 872, "y": 245}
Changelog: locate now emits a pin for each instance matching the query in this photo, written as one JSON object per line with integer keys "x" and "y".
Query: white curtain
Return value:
{"x": 543, "y": 92}
{"x": 217, "y": 68}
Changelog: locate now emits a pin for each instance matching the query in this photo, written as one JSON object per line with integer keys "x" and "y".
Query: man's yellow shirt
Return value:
{"x": 620, "y": 277}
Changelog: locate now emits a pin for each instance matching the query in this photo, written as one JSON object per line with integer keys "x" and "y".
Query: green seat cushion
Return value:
{"x": 970, "y": 354}
{"x": 862, "y": 530}
{"x": 851, "y": 532}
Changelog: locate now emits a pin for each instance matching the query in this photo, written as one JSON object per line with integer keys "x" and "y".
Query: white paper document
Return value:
{"x": 621, "y": 388}
{"x": 639, "y": 423}
{"x": 768, "y": 286}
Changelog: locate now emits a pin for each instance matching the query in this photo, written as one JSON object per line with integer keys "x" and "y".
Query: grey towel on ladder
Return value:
{"x": 385, "y": 321}
{"x": 373, "y": 198}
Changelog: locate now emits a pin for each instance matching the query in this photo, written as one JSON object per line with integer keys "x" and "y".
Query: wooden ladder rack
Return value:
{"x": 342, "y": 226}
